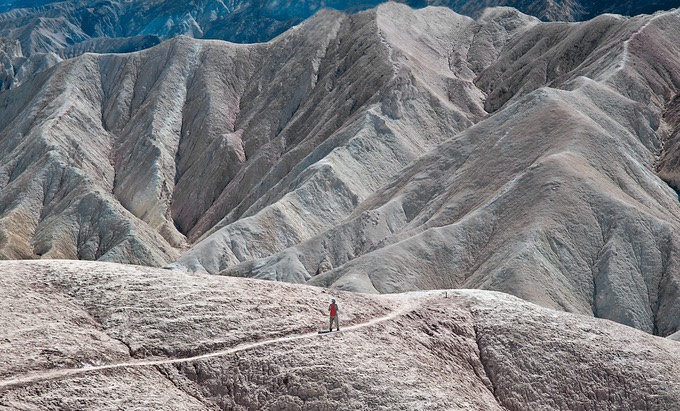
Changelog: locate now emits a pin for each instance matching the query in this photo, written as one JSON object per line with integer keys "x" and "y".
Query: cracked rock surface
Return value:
{"x": 109, "y": 336}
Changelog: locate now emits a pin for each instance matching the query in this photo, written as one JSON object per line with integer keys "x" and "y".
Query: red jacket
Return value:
{"x": 333, "y": 309}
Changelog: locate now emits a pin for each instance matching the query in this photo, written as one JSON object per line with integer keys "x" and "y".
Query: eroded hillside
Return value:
{"x": 191, "y": 137}
{"x": 386, "y": 151}
{"x": 554, "y": 197}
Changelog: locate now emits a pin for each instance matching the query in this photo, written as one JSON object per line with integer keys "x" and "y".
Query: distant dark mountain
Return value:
{"x": 248, "y": 21}
{"x": 22, "y": 4}
{"x": 561, "y": 10}
{"x": 628, "y": 8}
{"x": 36, "y": 34}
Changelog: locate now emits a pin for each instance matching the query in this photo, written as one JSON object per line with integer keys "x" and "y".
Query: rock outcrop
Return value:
{"x": 108, "y": 336}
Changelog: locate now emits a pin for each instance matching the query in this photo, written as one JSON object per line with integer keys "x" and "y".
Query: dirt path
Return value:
{"x": 626, "y": 44}
{"x": 405, "y": 305}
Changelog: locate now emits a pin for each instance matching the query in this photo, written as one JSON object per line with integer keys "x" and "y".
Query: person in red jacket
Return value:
{"x": 333, "y": 308}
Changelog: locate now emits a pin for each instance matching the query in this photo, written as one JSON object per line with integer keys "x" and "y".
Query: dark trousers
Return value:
{"x": 337, "y": 324}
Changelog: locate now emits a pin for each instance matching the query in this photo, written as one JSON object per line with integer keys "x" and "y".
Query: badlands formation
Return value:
{"x": 387, "y": 151}
{"x": 108, "y": 336}
{"x": 394, "y": 151}
{"x": 37, "y": 34}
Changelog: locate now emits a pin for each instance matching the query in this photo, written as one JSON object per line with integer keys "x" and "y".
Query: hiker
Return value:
{"x": 333, "y": 308}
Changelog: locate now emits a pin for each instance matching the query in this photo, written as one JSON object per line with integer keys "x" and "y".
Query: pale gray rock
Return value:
{"x": 355, "y": 152}
{"x": 138, "y": 130}
{"x": 554, "y": 198}
{"x": 150, "y": 132}
{"x": 15, "y": 67}
{"x": 422, "y": 99}
{"x": 57, "y": 180}
{"x": 109, "y": 336}
{"x": 9, "y": 51}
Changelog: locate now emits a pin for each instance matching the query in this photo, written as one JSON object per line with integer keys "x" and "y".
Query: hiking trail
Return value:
{"x": 53, "y": 374}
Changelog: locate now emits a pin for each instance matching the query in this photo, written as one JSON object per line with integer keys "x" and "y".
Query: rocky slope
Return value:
{"x": 107, "y": 336}
{"x": 413, "y": 97}
{"x": 553, "y": 198}
{"x": 103, "y": 152}
{"x": 386, "y": 151}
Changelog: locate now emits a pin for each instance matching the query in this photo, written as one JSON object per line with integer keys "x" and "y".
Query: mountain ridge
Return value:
{"x": 43, "y": 31}
{"x": 385, "y": 151}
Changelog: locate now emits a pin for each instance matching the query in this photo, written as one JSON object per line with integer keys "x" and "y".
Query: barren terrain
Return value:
{"x": 386, "y": 151}
{"x": 109, "y": 336}
{"x": 493, "y": 201}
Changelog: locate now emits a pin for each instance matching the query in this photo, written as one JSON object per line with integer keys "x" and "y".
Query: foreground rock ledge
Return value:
{"x": 83, "y": 335}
